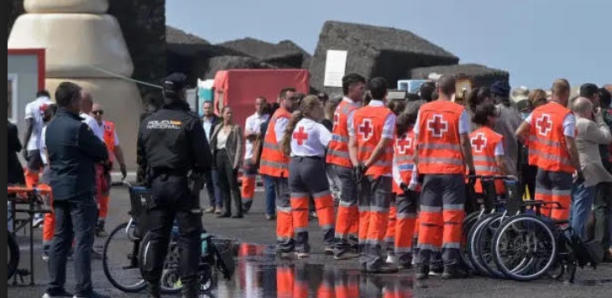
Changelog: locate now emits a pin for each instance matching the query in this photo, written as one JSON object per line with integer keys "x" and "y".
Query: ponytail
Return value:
{"x": 286, "y": 142}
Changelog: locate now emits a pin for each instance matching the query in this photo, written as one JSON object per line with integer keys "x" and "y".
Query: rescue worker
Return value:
{"x": 251, "y": 131}
{"x": 371, "y": 136}
{"x": 347, "y": 222}
{"x": 172, "y": 143}
{"x": 305, "y": 141}
{"x": 49, "y": 218}
{"x": 31, "y": 140}
{"x": 115, "y": 153}
{"x": 404, "y": 187}
{"x": 443, "y": 150}
{"x": 551, "y": 130}
{"x": 488, "y": 148}
{"x": 275, "y": 164}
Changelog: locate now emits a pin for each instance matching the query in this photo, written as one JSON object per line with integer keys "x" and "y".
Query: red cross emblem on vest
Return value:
{"x": 479, "y": 142}
{"x": 544, "y": 124}
{"x": 366, "y": 129}
{"x": 437, "y": 125}
{"x": 336, "y": 119}
{"x": 300, "y": 136}
{"x": 402, "y": 149}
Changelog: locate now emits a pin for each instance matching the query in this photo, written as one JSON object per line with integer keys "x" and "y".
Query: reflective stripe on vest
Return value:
{"x": 547, "y": 147}
{"x": 483, "y": 142}
{"x": 439, "y": 149}
{"x": 403, "y": 158}
{"x": 273, "y": 161}
{"x": 109, "y": 139}
{"x": 368, "y": 124}
{"x": 338, "y": 153}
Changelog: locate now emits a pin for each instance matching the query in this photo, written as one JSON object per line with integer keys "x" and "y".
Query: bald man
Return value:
{"x": 86, "y": 108}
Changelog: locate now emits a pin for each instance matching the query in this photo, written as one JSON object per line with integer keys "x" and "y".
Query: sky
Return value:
{"x": 536, "y": 41}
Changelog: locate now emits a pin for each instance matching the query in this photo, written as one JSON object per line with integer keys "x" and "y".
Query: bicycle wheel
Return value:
{"x": 170, "y": 282}
{"x": 472, "y": 244}
{"x": 484, "y": 241}
{"x": 120, "y": 260}
{"x": 527, "y": 242}
{"x": 468, "y": 224}
{"x": 13, "y": 255}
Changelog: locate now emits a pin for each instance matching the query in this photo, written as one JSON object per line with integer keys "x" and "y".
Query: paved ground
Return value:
{"x": 258, "y": 274}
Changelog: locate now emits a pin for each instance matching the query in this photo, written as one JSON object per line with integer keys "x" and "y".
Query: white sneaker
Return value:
{"x": 391, "y": 259}
{"x": 302, "y": 255}
{"x": 38, "y": 220}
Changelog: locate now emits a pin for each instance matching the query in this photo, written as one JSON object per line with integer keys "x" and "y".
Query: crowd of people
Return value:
{"x": 397, "y": 170}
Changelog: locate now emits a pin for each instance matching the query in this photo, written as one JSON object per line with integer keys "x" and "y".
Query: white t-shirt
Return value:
{"x": 569, "y": 124}
{"x": 35, "y": 111}
{"x": 253, "y": 126}
{"x": 309, "y": 139}
{"x": 93, "y": 124}
{"x": 43, "y": 146}
{"x": 464, "y": 123}
{"x": 388, "y": 127}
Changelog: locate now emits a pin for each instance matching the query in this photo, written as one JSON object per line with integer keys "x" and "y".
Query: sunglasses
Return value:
{"x": 98, "y": 112}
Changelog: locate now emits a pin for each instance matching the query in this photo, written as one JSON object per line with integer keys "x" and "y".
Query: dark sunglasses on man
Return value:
{"x": 100, "y": 112}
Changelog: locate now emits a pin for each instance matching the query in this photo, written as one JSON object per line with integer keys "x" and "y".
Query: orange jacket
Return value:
{"x": 273, "y": 161}
{"x": 403, "y": 159}
{"x": 338, "y": 153}
{"x": 439, "y": 143}
{"x": 483, "y": 141}
{"x": 368, "y": 123}
{"x": 109, "y": 139}
{"x": 547, "y": 147}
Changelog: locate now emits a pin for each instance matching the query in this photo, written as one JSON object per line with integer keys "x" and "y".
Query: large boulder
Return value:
{"x": 285, "y": 54}
{"x": 218, "y": 63}
{"x": 479, "y": 75}
{"x": 375, "y": 51}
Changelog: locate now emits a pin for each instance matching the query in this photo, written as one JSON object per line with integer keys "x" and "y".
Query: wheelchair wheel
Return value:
{"x": 484, "y": 241}
{"x": 524, "y": 248}
{"x": 468, "y": 224}
{"x": 120, "y": 260}
{"x": 472, "y": 244}
{"x": 170, "y": 282}
{"x": 12, "y": 255}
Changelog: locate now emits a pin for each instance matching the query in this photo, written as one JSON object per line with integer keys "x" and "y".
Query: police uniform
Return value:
{"x": 549, "y": 125}
{"x": 405, "y": 199}
{"x": 308, "y": 142}
{"x": 440, "y": 159}
{"x": 370, "y": 125}
{"x": 338, "y": 158}
{"x": 275, "y": 164}
{"x": 172, "y": 143}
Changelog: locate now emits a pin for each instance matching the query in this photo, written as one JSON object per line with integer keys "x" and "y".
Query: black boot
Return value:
{"x": 191, "y": 289}
{"x": 422, "y": 272}
{"x": 153, "y": 291}
{"x": 453, "y": 272}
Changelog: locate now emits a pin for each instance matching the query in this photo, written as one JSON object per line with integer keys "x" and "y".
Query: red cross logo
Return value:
{"x": 42, "y": 109}
{"x": 402, "y": 149}
{"x": 544, "y": 125}
{"x": 366, "y": 129}
{"x": 336, "y": 119}
{"x": 437, "y": 126}
{"x": 479, "y": 142}
{"x": 300, "y": 136}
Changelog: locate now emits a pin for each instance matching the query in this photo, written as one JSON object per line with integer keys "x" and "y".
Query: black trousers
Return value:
{"x": 228, "y": 183}
{"x": 603, "y": 210}
{"x": 172, "y": 199}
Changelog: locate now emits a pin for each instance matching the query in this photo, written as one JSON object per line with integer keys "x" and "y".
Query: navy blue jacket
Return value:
{"x": 73, "y": 152}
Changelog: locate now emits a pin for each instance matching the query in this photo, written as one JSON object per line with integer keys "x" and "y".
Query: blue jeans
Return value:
{"x": 582, "y": 201}
{"x": 214, "y": 193}
{"x": 270, "y": 195}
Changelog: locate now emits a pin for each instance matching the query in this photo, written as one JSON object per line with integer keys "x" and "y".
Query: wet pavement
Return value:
{"x": 260, "y": 274}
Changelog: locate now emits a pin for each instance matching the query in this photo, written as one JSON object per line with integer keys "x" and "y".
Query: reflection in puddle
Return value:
{"x": 259, "y": 274}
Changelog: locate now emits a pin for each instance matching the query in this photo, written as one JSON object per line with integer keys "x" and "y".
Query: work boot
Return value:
{"x": 153, "y": 291}
{"x": 383, "y": 269}
{"x": 453, "y": 272}
{"x": 190, "y": 289}
{"x": 421, "y": 272}
{"x": 436, "y": 270}
{"x": 100, "y": 232}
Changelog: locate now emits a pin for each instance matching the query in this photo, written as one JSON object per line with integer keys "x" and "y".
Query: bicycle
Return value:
{"x": 37, "y": 200}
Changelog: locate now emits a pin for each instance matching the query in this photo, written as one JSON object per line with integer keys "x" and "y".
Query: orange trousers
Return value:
{"x": 49, "y": 219}
{"x": 103, "y": 201}
{"x": 31, "y": 178}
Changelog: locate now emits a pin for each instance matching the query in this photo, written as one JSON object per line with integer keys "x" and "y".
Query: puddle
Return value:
{"x": 259, "y": 274}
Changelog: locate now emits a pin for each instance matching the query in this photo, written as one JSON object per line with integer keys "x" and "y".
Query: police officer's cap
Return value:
{"x": 175, "y": 82}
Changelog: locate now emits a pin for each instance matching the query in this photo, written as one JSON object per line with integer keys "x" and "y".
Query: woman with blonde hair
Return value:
{"x": 537, "y": 97}
{"x": 305, "y": 141}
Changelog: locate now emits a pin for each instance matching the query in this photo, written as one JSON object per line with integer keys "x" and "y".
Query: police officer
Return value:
{"x": 172, "y": 144}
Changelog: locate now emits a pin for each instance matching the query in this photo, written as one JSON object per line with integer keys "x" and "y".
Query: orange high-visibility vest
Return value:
{"x": 273, "y": 161}
{"x": 403, "y": 158}
{"x": 109, "y": 139}
{"x": 368, "y": 123}
{"x": 439, "y": 143}
{"x": 483, "y": 141}
{"x": 547, "y": 148}
{"x": 338, "y": 153}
